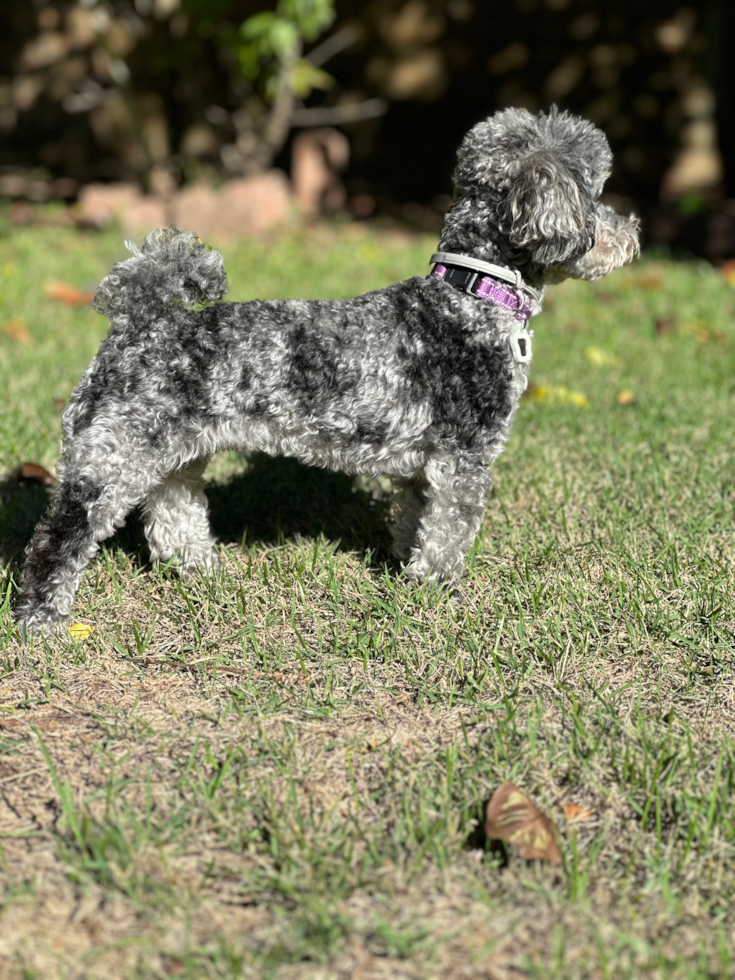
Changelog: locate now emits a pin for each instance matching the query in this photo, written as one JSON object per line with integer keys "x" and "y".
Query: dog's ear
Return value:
{"x": 546, "y": 212}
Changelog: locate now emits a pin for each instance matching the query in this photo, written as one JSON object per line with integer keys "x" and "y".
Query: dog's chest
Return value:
{"x": 471, "y": 381}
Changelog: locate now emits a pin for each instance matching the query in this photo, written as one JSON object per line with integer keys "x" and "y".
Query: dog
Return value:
{"x": 418, "y": 381}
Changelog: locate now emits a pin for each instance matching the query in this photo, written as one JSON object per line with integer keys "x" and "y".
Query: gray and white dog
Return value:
{"x": 418, "y": 381}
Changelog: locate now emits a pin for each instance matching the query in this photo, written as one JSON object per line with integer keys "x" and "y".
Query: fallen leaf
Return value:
{"x": 17, "y": 330}
{"x": 512, "y": 817}
{"x": 664, "y": 325}
{"x": 559, "y": 395}
{"x": 573, "y": 812}
{"x": 728, "y": 271}
{"x": 651, "y": 280}
{"x": 70, "y": 295}
{"x": 600, "y": 357}
{"x": 80, "y": 631}
{"x": 626, "y": 397}
{"x": 35, "y": 473}
{"x": 173, "y": 967}
{"x": 703, "y": 332}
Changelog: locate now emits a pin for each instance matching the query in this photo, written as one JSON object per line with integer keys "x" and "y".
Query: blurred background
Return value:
{"x": 233, "y": 115}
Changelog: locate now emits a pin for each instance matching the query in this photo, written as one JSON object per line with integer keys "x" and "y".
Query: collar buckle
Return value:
{"x": 503, "y": 273}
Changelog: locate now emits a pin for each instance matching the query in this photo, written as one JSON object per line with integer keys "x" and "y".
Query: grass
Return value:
{"x": 282, "y": 771}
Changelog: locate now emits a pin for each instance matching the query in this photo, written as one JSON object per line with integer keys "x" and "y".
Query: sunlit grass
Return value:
{"x": 282, "y": 770}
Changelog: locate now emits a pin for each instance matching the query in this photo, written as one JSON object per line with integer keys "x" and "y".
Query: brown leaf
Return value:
{"x": 173, "y": 967}
{"x": 512, "y": 817}
{"x": 35, "y": 473}
{"x": 70, "y": 295}
{"x": 17, "y": 330}
{"x": 664, "y": 325}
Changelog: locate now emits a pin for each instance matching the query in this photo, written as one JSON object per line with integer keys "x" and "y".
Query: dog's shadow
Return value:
{"x": 277, "y": 499}
{"x": 272, "y": 501}
{"x": 21, "y": 506}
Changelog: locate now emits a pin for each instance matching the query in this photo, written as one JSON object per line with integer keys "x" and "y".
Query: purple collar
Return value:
{"x": 485, "y": 287}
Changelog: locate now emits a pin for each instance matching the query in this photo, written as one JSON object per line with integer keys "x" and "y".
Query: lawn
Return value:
{"x": 283, "y": 771}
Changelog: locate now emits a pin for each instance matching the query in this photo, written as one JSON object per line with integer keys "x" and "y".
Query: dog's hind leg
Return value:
{"x": 456, "y": 488}
{"x": 61, "y": 548}
{"x": 177, "y": 522}
{"x": 97, "y": 490}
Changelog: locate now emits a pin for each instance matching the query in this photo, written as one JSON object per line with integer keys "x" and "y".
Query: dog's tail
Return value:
{"x": 171, "y": 267}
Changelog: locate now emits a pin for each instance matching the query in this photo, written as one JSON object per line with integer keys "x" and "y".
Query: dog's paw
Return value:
{"x": 36, "y": 625}
{"x": 190, "y": 562}
{"x": 441, "y": 581}
{"x": 205, "y": 564}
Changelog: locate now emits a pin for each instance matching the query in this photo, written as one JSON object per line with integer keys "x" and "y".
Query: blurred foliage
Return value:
{"x": 183, "y": 89}
{"x": 116, "y": 81}
{"x": 273, "y": 36}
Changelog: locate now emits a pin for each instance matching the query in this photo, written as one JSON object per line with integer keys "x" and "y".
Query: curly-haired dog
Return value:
{"x": 419, "y": 381}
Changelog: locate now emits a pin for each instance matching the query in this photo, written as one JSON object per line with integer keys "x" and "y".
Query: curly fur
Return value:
{"x": 416, "y": 381}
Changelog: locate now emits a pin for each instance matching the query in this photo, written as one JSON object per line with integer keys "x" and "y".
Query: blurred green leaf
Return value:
{"x": 283, "y": 37}
{"x": 306, "y": 78}
{"x": 258, "y": 25}
{"x": 269, "y": 38}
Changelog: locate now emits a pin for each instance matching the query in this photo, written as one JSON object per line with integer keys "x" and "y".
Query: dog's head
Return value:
{"x": 542, "y": 177}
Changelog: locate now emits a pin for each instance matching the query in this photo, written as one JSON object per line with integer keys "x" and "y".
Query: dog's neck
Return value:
{"x": 472, "y": 236}
{"x": 471, "y": 228}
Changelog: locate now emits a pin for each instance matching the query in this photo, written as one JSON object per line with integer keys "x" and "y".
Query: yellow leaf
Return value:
{"x": 600, "y": 357}
{"x": 626, "y": 397}
{"x": 80, "y": 631}
{"x": 559, "y": 395}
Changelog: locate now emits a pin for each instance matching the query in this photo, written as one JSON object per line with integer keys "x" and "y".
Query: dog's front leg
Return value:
{"x": 455, "y": 491}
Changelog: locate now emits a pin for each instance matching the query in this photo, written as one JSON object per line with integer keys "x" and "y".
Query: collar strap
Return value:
{"x": 501, "y": 272}
{"x": 484, "y": 287}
